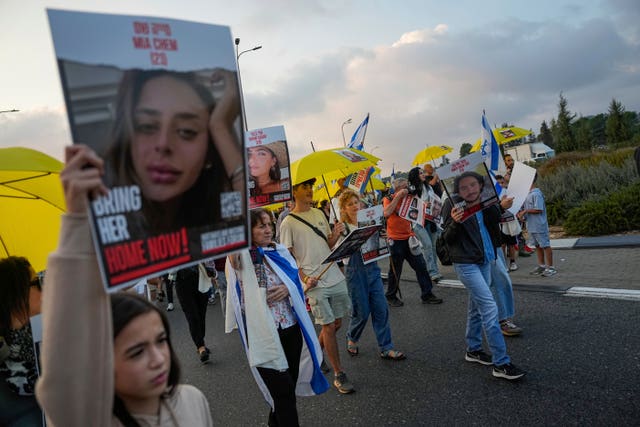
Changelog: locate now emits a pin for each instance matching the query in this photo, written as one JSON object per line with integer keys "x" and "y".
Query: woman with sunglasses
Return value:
{"x": 19, "y": 300}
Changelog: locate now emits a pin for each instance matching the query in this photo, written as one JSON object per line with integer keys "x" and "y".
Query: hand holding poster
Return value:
{"x": 268, "y": 161}
{"x": 375, "y": 247}
{"x": 158, "y": 99}
{"x": 468, "y": 184}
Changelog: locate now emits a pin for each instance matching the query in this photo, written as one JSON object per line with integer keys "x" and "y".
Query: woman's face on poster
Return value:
{"x": 261, "y": 159}
{"x": 170, "y": 140}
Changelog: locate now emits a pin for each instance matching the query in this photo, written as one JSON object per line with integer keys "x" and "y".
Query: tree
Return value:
{"x": 465, "y": 149}
{"x": 616, "y": 128}
{"x": 545, "y": 135}
{"x": 563, "y": 137}
{"x": 584, "y": 138}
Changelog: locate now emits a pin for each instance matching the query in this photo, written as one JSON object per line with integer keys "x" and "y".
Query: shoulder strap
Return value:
{"x": 313, "y": 227}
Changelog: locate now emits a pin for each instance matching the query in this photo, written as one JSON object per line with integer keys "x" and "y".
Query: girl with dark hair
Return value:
{"x": 428, "y": 232}
{"x": 174, "y": 141}
{"x": 105, "y": 360}
{"x": 266, "y": 303}
{"x": 19, "y": 300}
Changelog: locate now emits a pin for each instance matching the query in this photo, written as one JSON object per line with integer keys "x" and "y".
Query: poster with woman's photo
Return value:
{"x": 376, "y": 246}
{"x": 412, "y": 209}
{"x": 159, "y": 100}
{"x": 268, "y": 163}
{"x": 468, "y": 183}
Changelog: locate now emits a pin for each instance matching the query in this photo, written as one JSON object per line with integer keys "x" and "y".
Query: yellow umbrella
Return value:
{"x": 431, "y": 153}
{"x": 504, "y": 135}
{"x": 318, "y": 163}
{"x": 31, "y": 202}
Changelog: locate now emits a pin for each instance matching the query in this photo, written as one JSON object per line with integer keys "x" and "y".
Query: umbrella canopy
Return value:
{"x": 431, "y": 153}
{"x": 31, "y": 202}
{"x": 318, "y": 163}
{"x": 504, "y": 135}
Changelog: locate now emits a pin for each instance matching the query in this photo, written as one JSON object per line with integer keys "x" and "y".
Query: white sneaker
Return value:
{"x": 548, "y": 272}
{"x": 513, "y": 266}
{"x": 170, "y": 306}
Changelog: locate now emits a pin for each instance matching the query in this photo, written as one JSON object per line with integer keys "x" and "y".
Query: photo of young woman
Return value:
{"x": 265, "y": 164}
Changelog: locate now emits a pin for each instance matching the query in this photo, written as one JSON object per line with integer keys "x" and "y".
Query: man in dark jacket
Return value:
{"x": 472, "y": 244}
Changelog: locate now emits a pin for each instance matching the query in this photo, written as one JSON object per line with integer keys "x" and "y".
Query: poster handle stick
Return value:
{"x": 325, "y": 269}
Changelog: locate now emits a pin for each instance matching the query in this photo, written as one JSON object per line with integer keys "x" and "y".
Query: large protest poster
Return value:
{"x": 268, "y": 163}
{"x": 353, "y": 242}
{"x": 468, "y": 184}
{"x": 376, "y": 246}
{"x": 159, "y": 100}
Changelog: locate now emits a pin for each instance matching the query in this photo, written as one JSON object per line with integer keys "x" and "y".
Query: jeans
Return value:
{"x": 502, "y": 288}
{"x": 193, "y": 303}
{"x": 399, "y": 251}
{"x": 482, "y": 311}
{"x": 428, "y": 240}
{"x": 367, "y": 298}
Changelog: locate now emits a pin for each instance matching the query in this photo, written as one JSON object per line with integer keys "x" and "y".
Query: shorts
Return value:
{"x": 508, "y": 240}
{"x": 329, "y": 304}
{"x": 539, "y": 240}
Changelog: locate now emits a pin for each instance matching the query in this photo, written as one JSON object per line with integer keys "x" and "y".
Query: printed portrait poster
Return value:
{"x": 358, "y": 181}
{"x": 468, "y": 184}
{"x": 376, "y": 246}
{"x": 159, "y": 100}
{"x": 433, "y": 208}
{"x": 268, "y": 163}
{"x": 412, "y": 209}
{"x": 353, "y": 242}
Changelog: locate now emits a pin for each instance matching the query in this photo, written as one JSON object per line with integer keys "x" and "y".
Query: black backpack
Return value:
{"x": 442, "y": 250}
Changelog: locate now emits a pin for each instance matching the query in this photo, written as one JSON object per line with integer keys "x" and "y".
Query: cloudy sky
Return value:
{"x": 423, "y": 70}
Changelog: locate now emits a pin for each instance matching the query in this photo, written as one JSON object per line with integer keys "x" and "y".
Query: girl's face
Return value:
{"x": 170, "y": 138}
{"x": 351, "y": 208}
{"x": 260, "y": 161}
{"x": 262, "y": 233}
{"x": 142, "y": 360}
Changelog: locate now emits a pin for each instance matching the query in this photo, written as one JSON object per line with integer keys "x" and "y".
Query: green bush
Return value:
{"x": 618, "y": 212}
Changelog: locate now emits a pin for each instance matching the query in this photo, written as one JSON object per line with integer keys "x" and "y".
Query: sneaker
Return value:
{"x": 508, "y": 371}
{"x": 170, "y": 306}
{"x": 548, "y": 272}
{"x": 212, "y": 299}
{"x": 431, "y": 299}
{"x": 437, "y": 278}
{"x": 478, "y": 356}
{"x": 204, "y": 355}
{"x": 160, "y": 296}
{"x": 513, "y": 266}
{"x": 528, "y": 250}
{"x": 537, "y": 271}
{"x": 523, "y": 254}
{"x": 509, "y": 329}
{"x": 395, "y": 302}
{"x": 342, "y": 383}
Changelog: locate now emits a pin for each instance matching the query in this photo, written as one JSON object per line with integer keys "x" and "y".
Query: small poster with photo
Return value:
{"x": 376, "y": 246}
{"x": 358, "y": 181}
{"x": 268, "y": 164}
{"x": 433, "y": 208}
{"x": 350, "y": 155}
{"x": 158, "y": 99}
{"x": 412, "y": 209}
{"x": 353, "y": 242}
{"x": 468, "y": 184}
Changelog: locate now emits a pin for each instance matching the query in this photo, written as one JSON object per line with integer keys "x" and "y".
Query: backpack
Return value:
{"x": 442, "y": 250}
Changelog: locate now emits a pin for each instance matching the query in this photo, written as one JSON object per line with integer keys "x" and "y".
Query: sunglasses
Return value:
{"x": 35, "y": 283}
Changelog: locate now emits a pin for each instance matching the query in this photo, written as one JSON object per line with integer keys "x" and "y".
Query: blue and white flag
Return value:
{"x": 357, "y": 140}
{"x": 490, "y": 149}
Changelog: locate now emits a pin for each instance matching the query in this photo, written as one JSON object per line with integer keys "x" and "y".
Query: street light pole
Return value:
{"x": 244, "y": 113}
{"x": 344, "y": 142}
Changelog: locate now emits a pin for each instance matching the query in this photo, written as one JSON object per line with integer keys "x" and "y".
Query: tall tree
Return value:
{"x": 563, "y": 137}
{"x": 584, "y": 138}
{"x": 465, "y": 149}
{"x": 616, "y": 128}
{"x": 545, "y": 134}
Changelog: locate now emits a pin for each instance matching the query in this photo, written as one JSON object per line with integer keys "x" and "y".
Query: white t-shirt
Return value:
{"x": 309, "y": 249}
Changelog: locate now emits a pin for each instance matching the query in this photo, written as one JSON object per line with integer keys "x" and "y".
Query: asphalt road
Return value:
{"x": 581, "y": 354}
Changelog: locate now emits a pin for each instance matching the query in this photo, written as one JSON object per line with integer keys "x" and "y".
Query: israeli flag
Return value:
{"x": 357, "y": 140}
{"x": 490, "y": 149}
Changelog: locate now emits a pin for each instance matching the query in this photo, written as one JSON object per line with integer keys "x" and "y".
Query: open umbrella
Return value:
{"x": 31, "y": 202}
{"x": 504, "y": 135}
{"x": 318, "y": 163}
{"x": 431, "y": 153}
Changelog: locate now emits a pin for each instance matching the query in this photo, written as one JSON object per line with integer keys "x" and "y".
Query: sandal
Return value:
{"x": 352, "y": 348}
{"x": 393, "y": 355}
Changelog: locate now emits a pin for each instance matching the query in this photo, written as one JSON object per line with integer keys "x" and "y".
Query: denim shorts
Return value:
{"x": 539, "y": 240}
{"x": 329, "y": 304}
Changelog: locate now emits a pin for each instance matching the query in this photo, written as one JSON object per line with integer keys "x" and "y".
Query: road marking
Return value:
{"x": 625, "y": 294}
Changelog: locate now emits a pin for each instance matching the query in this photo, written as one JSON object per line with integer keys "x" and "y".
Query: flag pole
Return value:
{"x": 364, "y": 135}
